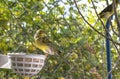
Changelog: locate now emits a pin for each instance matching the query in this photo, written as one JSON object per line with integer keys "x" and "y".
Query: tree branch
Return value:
{"x": 91, "y": 25}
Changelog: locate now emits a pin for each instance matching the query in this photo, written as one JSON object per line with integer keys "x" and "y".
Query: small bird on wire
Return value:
{"x": 44, "y": 44}
{"x": 108, "y": 11}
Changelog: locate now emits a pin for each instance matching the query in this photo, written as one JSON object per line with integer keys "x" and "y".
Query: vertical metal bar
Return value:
{"x": 108, "y": 51}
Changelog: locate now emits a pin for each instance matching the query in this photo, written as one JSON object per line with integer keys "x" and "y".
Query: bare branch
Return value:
{"x": 92, "y": 26}
{"x": 117, "y": 20}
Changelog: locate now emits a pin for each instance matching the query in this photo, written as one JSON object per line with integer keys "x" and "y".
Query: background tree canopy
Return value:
{"x": 83, "y": 49}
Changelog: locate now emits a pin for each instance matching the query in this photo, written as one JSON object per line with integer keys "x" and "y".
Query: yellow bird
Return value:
{"x": 44, "y": 44}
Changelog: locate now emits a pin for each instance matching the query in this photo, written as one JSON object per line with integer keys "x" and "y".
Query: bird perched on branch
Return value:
{"x": 108, "y": 11}
{"x": 44, "y": 44}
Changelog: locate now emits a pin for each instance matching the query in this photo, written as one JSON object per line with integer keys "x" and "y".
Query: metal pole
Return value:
{"x": 108, "y": 51}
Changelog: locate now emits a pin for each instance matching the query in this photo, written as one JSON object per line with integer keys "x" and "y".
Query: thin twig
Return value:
{"x": 114, "y": 43}
{"x": 115, "y": 12}
{"x": 114, "y": 30}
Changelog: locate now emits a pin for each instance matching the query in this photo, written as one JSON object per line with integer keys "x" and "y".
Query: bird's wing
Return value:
{"x": 109, "y": 8}
{"x": 107, "y": 11}
{"x": 51, "y": 45}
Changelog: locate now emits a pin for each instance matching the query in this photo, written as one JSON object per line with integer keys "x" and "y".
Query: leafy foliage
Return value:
{"x": 82, "y": 48}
